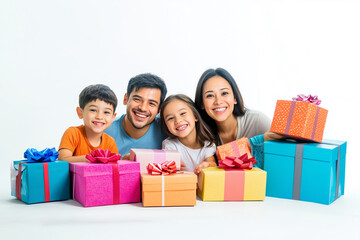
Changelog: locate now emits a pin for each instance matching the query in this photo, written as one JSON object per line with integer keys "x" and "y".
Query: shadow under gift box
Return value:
{"x": 217, "y": 184}
{"x": 302, "y": 120}
{"x": 313, "y": 172}
{"x": 97, "y": 184}
{"x": 41, "y": 182}
{"x": 146, "y": 156}
{"x": 178, "y": 189}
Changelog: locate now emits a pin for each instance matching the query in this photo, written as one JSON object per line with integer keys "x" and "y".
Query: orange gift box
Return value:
{"x": 235, "y": 148}
{"x": 297, "y": 119}
{"x": 178, "y": 189}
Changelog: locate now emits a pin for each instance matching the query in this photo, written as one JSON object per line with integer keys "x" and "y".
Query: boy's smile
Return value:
{"x": 97, "y": 115}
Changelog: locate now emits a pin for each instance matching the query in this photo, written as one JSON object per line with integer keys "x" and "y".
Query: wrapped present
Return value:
{"x": 305, "y": 171}
{"x": 234, "y": 149}
{"x": 146, "y": 156}
{"x": 178, "y": 189}
{"x": 40, "y": 178}
{"x": 97, "y": 184}
{"x": 231, "y": 184}
{"x": 301, "y": 118}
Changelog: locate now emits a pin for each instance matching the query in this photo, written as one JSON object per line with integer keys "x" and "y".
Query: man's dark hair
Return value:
{"x": 147, "y": 80}
{"x": 97, "y": 91}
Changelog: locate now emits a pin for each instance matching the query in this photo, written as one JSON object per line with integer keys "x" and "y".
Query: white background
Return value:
{"x": 51, "y": 50}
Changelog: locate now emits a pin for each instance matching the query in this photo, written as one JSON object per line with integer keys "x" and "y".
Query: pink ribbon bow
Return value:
{"x": 243, "y": 162}
{"x": 103, "y": 156}
{"x": 164, "y": 168}
{"x": 312, "y": 99}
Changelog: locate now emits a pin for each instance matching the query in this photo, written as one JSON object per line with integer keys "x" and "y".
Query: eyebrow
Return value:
{"x": 181, "y": 109}
{"x": 98, "y": 107}
{"x": 221, "y": 89}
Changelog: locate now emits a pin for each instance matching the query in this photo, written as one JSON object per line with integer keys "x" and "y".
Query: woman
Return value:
{"x": 220, "y": 104}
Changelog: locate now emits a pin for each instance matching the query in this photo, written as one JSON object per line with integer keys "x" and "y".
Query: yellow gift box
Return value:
{"x": 218, "y": 184}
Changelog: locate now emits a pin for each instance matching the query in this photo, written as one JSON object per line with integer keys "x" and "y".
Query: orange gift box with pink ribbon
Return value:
{"x": 301, "y": 118}
{"x": 235, "y": 148}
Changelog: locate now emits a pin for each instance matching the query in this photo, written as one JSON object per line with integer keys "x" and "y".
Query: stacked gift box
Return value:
{"x": 162, "y": 184}
{"x": 234, "y": 179}
{"x": 304, "y": 167}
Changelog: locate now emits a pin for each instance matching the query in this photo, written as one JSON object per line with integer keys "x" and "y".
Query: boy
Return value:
{"x": 97, "y": 104}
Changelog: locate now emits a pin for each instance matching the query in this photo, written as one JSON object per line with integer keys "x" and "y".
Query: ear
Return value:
{"x": 113, "y": 116}
{"x": 79, "y": 112}
{"x": 235, "y": 101}
{"x": 125, "y": 99}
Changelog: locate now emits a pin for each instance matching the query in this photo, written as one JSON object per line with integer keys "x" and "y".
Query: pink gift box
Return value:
{"x": 97, "y": 184}
{"x": 146, "y": 156}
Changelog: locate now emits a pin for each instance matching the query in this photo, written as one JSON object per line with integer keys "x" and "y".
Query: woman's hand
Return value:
{"x": 273, "y": 136}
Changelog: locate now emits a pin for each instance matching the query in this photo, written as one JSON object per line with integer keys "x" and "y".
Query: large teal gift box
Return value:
{"x": 313, "y": 172}
{"x": 40, "y": 181}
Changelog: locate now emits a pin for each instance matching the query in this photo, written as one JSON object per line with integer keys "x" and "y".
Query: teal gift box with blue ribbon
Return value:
{"x": 313, "y": 172}
{"x": 44, "y": 179}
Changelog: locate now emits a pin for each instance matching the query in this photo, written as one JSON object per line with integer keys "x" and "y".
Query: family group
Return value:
{"x": 194, "y": 128}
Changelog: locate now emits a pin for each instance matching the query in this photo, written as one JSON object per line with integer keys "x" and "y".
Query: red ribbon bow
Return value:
{"x": 164, "y": 168}
{"x": 312, "y": 99}
{"x": 243, "y": 162}
{"x": 103, "y": 156}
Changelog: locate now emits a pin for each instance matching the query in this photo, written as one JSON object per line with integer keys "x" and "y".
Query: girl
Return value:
{"x": 188, "y": 133}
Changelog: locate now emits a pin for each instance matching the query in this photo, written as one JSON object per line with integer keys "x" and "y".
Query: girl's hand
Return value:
{"x": 203, "y": 164}
{"x": 126, "y": 157}
{"x": 182, "y": 165}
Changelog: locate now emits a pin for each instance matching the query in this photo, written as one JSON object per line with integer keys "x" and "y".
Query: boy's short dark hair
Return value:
{"x": 147, "y": 80}
{"x": 97, "y": 91}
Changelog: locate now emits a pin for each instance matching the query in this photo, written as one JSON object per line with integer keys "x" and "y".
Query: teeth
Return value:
{"x": 181, "y": 128}
{"x": 219, "y": 109}
{"x": 140, "y": 115}
{"x": 98, "y": 123}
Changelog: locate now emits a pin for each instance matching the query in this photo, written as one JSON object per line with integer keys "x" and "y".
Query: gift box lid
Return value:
{"x": 177, "y": 181}
{"x": 25, "y": 164}
{"x": 326, "y": 151}
{"x": 95, "y": 169}
{"x": 138, "y": 151}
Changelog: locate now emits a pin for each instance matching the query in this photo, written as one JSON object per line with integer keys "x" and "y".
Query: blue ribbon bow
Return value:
{"x": 46, "y": 155}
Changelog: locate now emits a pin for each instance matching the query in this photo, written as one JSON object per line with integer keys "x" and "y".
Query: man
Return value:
{"x": 140, "y": 127}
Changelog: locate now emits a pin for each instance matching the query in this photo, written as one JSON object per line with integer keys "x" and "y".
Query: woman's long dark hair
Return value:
{"x": 239, "y": 109}
{"x": 203, "y": 132}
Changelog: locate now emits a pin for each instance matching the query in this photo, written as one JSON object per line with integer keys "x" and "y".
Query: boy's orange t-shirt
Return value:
{"x": 75, "y": 140}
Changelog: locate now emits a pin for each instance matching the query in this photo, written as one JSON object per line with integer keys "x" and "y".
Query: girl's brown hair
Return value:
{"x": 203, "y": 132}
